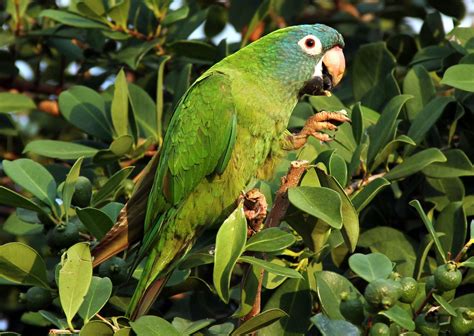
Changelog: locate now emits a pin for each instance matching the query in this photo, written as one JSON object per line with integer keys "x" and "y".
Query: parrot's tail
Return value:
{"x": 162, "y": 258}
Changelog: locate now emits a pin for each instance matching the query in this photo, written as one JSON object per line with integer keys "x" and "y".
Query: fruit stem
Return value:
{"x": 463, "y": 251}
{"x": 424, "y": 303}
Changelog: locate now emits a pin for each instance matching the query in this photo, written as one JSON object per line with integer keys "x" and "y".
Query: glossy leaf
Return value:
{"x": 153, "y": 326}
{"x": 111, "y": 186}
{"x": 445, "y": 304}
{"x": 120, "y": 104}
{"x": 460, "y": 77}
{"x": 143, "y": 111}
{"x": 364, "y": 196}
{"x": 81, "y": 105}
{"x": 230, "y": 244}
{"x": 21, "y": 264}
{"x": 329, "y": 327}
{"x": 96, "y": 328}
{"x": 97, "y": 296}
{"x": 69, "y": 185}
{"x": 370, "y": 266}
{"x": 260, "y": 321}
{"x": 400, "y": 316}
{"x": 271, "y": 267}
{"x": 59, "y": 149}
{"x": 33, "y": 177}
{"x": 456, "y": 165}
{"x": 270, "y": 240}
{"x": 74, "y": 279}
{"x": 97, "y": 222}
{"x": 415, "y": 163}
{"x": 419, "y": 84}
{"x": 322, "y": 203}
{"x": 13, "y": 199}
{"x": 13, "y": 102}
{"x": 72, "y": 19}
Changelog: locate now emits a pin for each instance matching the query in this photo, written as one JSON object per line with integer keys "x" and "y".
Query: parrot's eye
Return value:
{"x": 311, "y": 45}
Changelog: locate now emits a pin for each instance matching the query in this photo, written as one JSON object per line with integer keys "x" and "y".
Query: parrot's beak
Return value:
{"x": 335, "y": 64}
{"x": 327, "y": 73}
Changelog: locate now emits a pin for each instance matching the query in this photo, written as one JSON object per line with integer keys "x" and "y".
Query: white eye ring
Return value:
{"x": 311, "y": 45}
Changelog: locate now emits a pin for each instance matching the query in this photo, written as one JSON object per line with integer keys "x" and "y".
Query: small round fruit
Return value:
{"x": 409, "y": 289}
{"x": 37, "y": 298}
{"x": 463, "y": 323}
{"x": 382, "y": 293}
{"x": 63, "y": 235}
{"x": 115, "y": 269}
{"x": 430, "y": 285}
{"x": 82, "y": 192}
{"x": 426, "y": 327}
{"x": 353, "y": 310}
{"x": 447, "y": 277}
{"x": 379, "y": 329}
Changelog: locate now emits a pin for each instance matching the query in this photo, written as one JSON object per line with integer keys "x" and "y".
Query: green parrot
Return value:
{"x": 229, "y": 127}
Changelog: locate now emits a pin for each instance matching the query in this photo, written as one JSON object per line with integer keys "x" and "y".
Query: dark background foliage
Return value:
{"x": 88, "y": 89}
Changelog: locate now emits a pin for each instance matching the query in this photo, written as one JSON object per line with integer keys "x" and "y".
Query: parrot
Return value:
{"x": 230, "y": 126}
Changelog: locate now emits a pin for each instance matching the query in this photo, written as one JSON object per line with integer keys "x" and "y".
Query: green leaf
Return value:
{"x": 69, "y": 184}
{"x": 270, "y": 240}
{"x": 322, "y": 203}
{"x": 62, "y": 150}
{"x": 460, "y": 77}
{"x": 13, "y": 102}
{"x": 350, "y": 219}
{"x": 18, "y": 227}
{"x": 71, "y": 19}
{"x": 85, "y": 109}
{"x": 271, "y": 267}
{"x": 371, "y": 64}
{"x": 258, "y": 17}
{"x": 381, "y": 132}
{"x": 397, "y": 246}
{"x": 390, "y": 149}
{"x": 468, "y": 263}
{"x": 96, "y": 328}
{"x": 159, "y": 98}
{"x": 54, "y": 319}
{"x": 74, "y": 279}
{"x": 330, "y": 287}
{"x": 32, "y": 177}
{"x": 457, "y": 165}
{"x": 294, "y": 298}
{"x": 259, "y": 321}
{"x": 120, "y": 105}
{"x": 418, "y": 84}
{"x": 153, "y": 326}
{"x": 175, "y": 16}
{"x": 400, "y": 316}
{"x": 97, "y": 296}
{"x": 134, "y": 52}
{"x": 13, "y": 199}
{"x": 119, "y": 13}
{"x": 364, "y": 196}
{"x": 96, "y": 7}
{"x": 445, "y": 304}
{"x": 330, "y": 327}
{"x": 143, "y": 111}
{"x": 230, "y": 244}
{"x": 452, "y": 222}
{"x": 186, "y": 327}
{"x": 357, "y": 123}
{"x": 370, "y": 266}
{"x": 427, "y": 117}
{"x": 21, "y": 264}
{"x": 415, "y": 163}
{"x": 97, "y": 222}
{"x": 111, "y": 186}
{"x": 194, "y": 49}
{"x": 429, "y": 226}
{"x": 249, "y": 289}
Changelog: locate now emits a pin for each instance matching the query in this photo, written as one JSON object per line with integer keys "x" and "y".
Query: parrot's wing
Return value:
{"x": 198, "y": 143}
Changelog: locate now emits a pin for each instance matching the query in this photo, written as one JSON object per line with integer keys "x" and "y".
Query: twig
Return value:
{"x": 425, "y": 302}
{"x": 62, "y": 332}
{"x": 291, "y": 179}
{"x": 357, "y": 184}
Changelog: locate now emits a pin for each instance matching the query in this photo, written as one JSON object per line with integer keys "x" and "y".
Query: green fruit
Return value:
{"x": 82, "y": 192}
{"x": 431, "y": 285}
{"x": 353, "y": 310}
{"x": 63, "y": 235}
{"x": 37, "y": 298}
{"x": 463, "y": 323}
{"x": 447, "y": 277}
{"x": 426, "y": 326}
{"x": 409, "y": 289}
{"x": 115, "y": 269}
{"x": 382, "y": 293}
{"x": 379, "y": 329}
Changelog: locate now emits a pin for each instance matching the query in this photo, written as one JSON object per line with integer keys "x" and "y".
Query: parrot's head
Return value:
{"x": 306, "y": 58}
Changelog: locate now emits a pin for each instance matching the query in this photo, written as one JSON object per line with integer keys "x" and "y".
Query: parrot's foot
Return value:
{"x": 317, "y": 123}
{"x": 255, "y": 209}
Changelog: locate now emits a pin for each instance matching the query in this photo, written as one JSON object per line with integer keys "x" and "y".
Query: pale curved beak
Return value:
{"x": 335, "y": 64}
